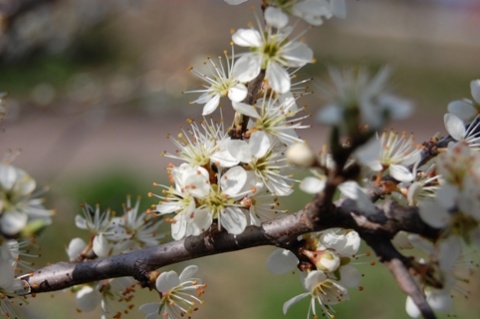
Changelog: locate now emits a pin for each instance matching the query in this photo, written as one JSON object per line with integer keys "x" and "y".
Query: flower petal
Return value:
{"x": 278, "y": 78}
{"x": 237, "y": 93}
{"x": 281, "y": 261}
{"x": 454, "y": 126}
{"x": 233, "y": 220}
{"x": 475, "y": 88}
{"x": 245, "y": 109}
{"x": 247, "y": 67}
{"x": 247, "y": 38}
{"x": 211, "y": 105}
{"x": 312, "y": 185}
{"x": 275, "y": 17}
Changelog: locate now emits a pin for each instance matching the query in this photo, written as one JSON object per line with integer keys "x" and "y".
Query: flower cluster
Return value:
{"x": 329, "y": 273}
{"x": 111, "y": 235}
{"x": 233, "y": 177}
{"x": 22, "y": 216}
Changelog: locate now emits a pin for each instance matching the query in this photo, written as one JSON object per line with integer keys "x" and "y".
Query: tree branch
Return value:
{"x": 282, "y": 232}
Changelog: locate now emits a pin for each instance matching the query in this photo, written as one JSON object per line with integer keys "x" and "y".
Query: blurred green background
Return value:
{"x": 94, "y": 87}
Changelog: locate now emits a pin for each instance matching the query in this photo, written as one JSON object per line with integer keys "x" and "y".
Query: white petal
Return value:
{"x": 281, "y": 261}
{"x": 224, "y": 158}
{"x": 400, "y": 173}
{"x": 411, "y": 308}
{"x": 433, "y": 214}
{"x": 313, "y": 279}
{"x": 339, "y": 8}
{"x": 150, "y": 308}
{"x": 197, "y": 184}
{"x": 233, "y": 181}
{"x": 200, "y": 220}
{"x": 179, "y": 227}
{"x": 247, "y": 67}
{"x": 350, "y": 276}
{"x": 278, "y": 78}
{"x": 247, "y": 38}
{"x": 454, "y": 126}
{"x": 368, "y": 154}
{"x": 8, "y": 176}
{"x": 294, "y": 300}
{"x": 204, "y": 98}
{"x": 245, "y": 109}
{"x": 440, "y": 300}
{"x": 188, "y": 272}
{"x": 259, "y": 144}
{"x": 13, "y": 222}
{"x": 312, "y": 185}
{"x": 297, "y": 54}
{"x": 235, "y": 2}
{"x": 238, "y": 93}
{"x": 353, "y": 191}
{"x": 463, "y": 109}
{"x": 87, "y": 298}
{"x": 211, "y": 105}
{"x": 101, "y": 246}
{"x": 167, "y": 281}
{"x": 352, "y": 244}
{"x": 450, "y": 251}
{"x": 398, "y": 108}
{"x": 75, "y": 248}
{"x": 233, "y": 220}
{"x": 312, "y": 11}
{"x": 275, "y": 17}
{"x": 475, "y": 88}
{"x": 330, "y": 115}
{"x": 240, "y": 150}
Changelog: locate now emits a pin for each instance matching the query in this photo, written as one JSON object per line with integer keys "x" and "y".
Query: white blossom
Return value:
{"x": 19, "y": 205}
{"x": 269, "y": 51}
{"x": 321, "y": 290}
{"x": 179, "y": 295}
{"x": 220, "y": 83}
{"x": 354, "y": 92}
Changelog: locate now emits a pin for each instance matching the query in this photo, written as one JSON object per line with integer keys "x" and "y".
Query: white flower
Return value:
{"x": 99, "y": 224}
{"x": 135, "y": 231}
{"x": 220, "y": 83}
{"x": 321, "y": 290}
{"x": 197, "y": 145}
{"x": 263, "y": 157}
{"x": 441, "y": 275}
{"x": 456, "y": 128}
{"x": 276, "y": 116}
{"x": 312, "y": 11}
{"x": 190, "y": 183}
{"x": 19, "y": 205}
{"x": 467, "y": 109}
{"x": 390, "y": 152}
{"x": 456, "y": 206}
{"x": 330, "y": 251}
{"x": 112, "y": 295}
{"x": 356, "y": 99}
{"x": 179, "y": 295}
{"x": 269, "y": 51}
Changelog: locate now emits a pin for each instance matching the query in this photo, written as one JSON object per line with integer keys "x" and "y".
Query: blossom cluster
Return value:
{"x": 331, "y": 252}
{"x": 233, "y": 177}
{"x": 111, "y": 235}
{"x": 22, "y": 216}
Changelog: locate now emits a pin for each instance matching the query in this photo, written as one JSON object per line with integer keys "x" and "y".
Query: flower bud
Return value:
{"x": 300, "y": 154}
{"x": 324, "y": 260}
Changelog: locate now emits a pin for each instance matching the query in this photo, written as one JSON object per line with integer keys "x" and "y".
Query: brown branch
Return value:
{"x": 282, "y": 232}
